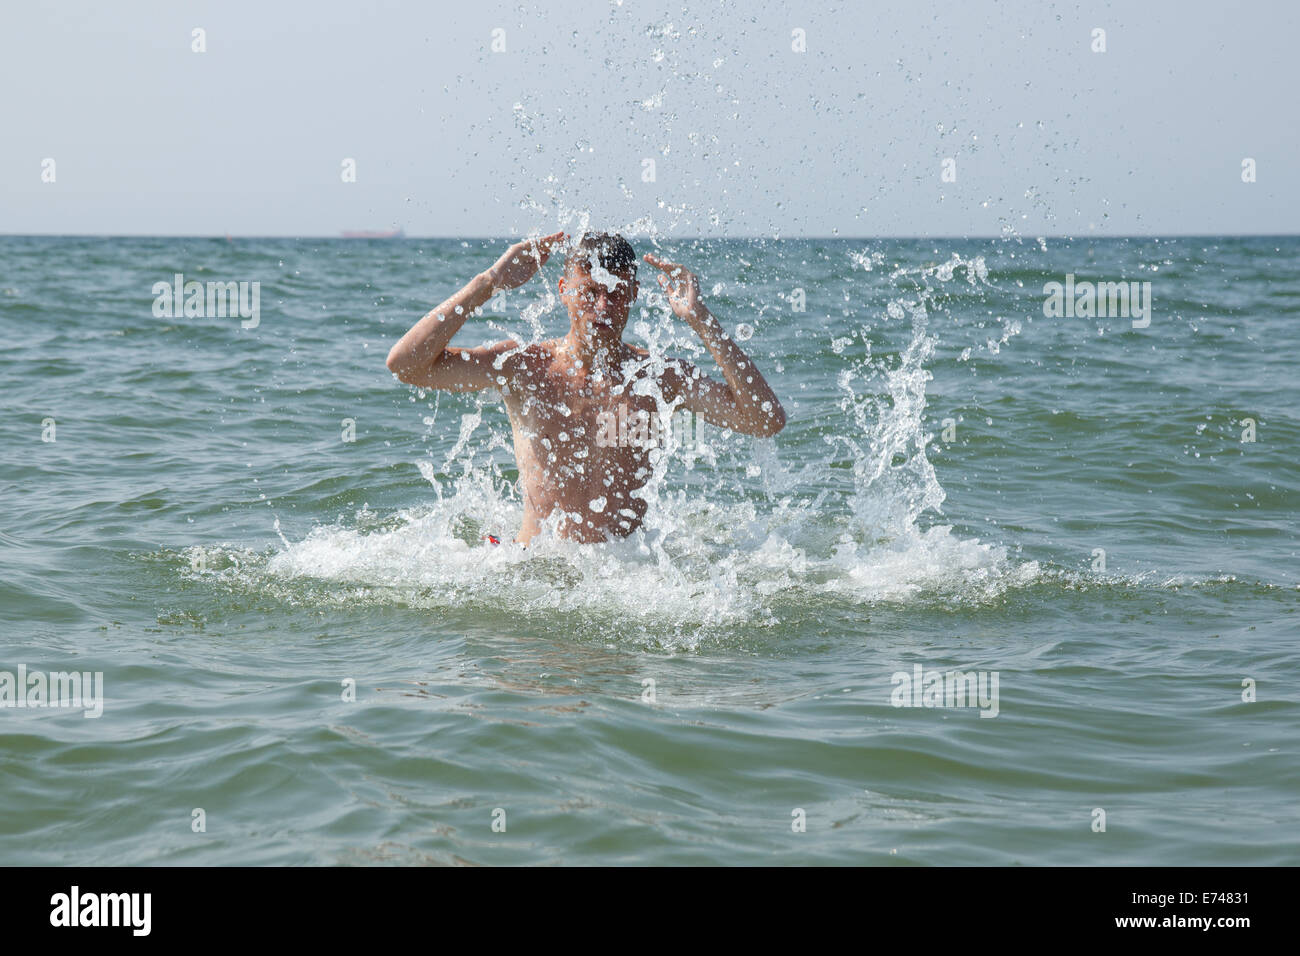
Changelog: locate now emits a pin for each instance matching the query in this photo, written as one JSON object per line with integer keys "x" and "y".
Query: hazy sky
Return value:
{"x": 748, "y": 136}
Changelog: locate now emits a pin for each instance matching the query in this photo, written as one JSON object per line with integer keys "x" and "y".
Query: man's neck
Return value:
{"x": 599, "y": 350}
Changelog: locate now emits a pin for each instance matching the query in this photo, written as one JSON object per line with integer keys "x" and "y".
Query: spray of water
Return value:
{"x": 735, "y": 536}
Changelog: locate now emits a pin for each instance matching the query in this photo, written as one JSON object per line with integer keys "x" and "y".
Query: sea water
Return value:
{"x": 273, "y": 554}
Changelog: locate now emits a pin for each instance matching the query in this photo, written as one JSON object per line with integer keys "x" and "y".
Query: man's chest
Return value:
{"x": 592, "y": 417}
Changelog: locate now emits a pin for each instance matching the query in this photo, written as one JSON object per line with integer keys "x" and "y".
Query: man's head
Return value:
{"x": 599, "y": 283}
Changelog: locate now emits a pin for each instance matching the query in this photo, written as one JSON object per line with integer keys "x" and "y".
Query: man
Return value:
{"x": 562, "y": 395}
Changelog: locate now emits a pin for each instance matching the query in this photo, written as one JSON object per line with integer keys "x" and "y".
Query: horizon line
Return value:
{"x": 747, "y": 238}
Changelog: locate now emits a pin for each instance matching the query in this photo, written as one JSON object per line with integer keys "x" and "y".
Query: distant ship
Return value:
{"x": 374, "y": 234}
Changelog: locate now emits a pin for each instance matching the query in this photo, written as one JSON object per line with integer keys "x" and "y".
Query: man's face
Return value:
{"x": 597, "y": 297}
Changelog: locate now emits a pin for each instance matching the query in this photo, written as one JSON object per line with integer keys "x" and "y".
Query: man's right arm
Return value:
{"x": 422, "y": 356}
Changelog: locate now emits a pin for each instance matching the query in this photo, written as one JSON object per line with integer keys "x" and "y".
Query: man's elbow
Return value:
{"x": 401, "y": 366}
{"x": 397, "y": 363}
{"x": 773, "y": 421}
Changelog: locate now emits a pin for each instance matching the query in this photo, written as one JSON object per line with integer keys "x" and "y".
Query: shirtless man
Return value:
{"x": 562, "y": 395}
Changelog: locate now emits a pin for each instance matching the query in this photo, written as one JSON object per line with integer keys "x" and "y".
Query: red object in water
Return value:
{"x": 493, "y": 538}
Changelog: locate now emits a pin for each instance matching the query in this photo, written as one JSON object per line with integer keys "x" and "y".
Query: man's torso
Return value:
{"x": 583, "y": 440}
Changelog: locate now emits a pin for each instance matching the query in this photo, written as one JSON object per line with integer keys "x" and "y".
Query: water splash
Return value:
{"x": 735, "y": 536}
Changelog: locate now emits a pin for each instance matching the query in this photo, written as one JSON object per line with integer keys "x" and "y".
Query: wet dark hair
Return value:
{"x": 612, "y": 251}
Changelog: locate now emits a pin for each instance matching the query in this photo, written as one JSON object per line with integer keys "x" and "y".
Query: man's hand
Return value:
{"x": 521, "y": 262}
{"x": 681, "y": 287}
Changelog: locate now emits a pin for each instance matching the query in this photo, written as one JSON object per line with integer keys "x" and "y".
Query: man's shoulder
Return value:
{"x": 672, "y": 373}
{"x": 520, "y": 361}
{"x": 514, "y": 349}
{"x": 669, "y": 362}
{"x": 671, "y": 366}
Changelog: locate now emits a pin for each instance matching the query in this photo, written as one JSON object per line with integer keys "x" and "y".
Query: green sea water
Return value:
{"x": 271, "y": 550}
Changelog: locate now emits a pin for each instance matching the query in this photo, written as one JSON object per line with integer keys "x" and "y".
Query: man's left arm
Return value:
{"x": 746, "y": 403}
